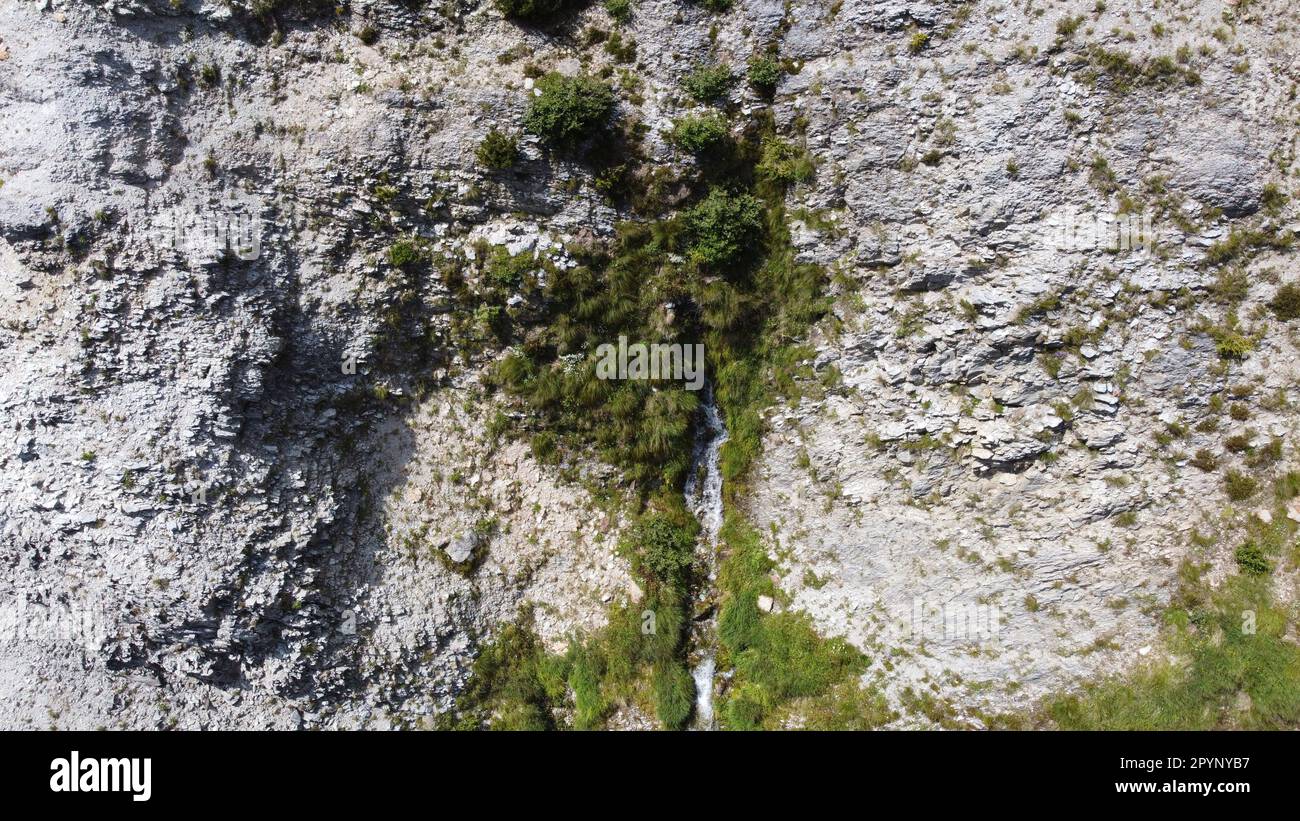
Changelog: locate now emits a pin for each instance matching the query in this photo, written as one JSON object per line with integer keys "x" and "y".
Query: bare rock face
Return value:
{"x": 248, "y": 476}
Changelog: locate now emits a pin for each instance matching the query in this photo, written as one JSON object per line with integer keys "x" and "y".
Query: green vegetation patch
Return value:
{"x": 570, "y": 108}
{"x": 784, "y": 672}
{"x": 1231, "y": 664}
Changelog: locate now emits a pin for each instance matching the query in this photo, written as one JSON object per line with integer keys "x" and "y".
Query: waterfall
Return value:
{"x": 704, "y": 498}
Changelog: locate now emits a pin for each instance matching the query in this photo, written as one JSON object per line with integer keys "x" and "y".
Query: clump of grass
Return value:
{"x": 781, "y": 664}
{"x": 1244, "y": 243}
{"x": 1233, "y": 642}
{"x": 1285, "y": 304}
{"x": 514, "y": 685}
{"x": 1239, "y": 486}
{"x": 498, "y": 150}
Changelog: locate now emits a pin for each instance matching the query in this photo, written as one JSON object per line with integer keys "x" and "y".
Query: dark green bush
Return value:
{"x": 708, "y": 84}
{"x": 1286, "y": 302}
{"x": 764, "y": 73}
{"x": 569, "y": 109}
{"x": 723, "y": 227}
{"x": 715, "y": 6}
{"x": 784, "y": 163}
{"x": 534, "y": 11}
{"x": 1252, "y": 560}
{"x": 620, "y": 10}
{"x": 403, "y": 254}
{"x": 498, "y": 150}
{"x": 662, "y": 549}
{"x": 700, "y": 134}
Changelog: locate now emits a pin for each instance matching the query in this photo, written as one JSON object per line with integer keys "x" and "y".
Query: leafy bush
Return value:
{"x": 498, "y": 150}
{"x": 620, "y": 10}
{"x": 1286, "y": 302}
{"x": 715, "y": 6}
{"x": 708, "y": 84}
{"x": 534, "y": 11}
{"x": 700, "y": 134}
{"x": 723, "y": 227}
{"x": 785, "y": 163}
{"x": 662, "y": 549}
{"x": 1252, "y": 560}
{"x": 569, "y": 109}
{"x": 403, "y": 254}
{"x": 764, "y": 73}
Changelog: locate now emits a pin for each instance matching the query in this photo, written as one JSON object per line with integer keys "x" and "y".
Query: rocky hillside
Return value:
{"x": 300, "y": 303}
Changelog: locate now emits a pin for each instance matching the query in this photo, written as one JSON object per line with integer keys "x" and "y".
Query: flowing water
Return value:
{"x": 704, "y": 498}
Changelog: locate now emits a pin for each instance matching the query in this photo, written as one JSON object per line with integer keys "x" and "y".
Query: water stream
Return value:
{"x": 704, "y": 498}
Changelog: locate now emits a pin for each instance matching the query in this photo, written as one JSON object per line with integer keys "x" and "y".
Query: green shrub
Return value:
{"x": 723, "y": 227}
{"x": 764, "y": 73}
{"x": 534, "y": 11}
{"x": 918, "y": 42}
{"x": 1239, "y": 486}
{"x": 662, "y": 549}
{"x": 708, "y": 84}
{"x": 620, "y": 10}
{"x": 1067, "y": 26}
{"x": 497, "y": 151}
{"x": 569, "y": 109}
{"x": 1286, "y": 302}
{"x": 403, "y": 254}
{"x": 700, "y": 134}
{"x": 1273, "y": 198}
{"x": 1250, "y": 559}
{"x": 784, "y": 163}
{"x": 715, "y": 6}
{"x": 1231, "y": 344}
